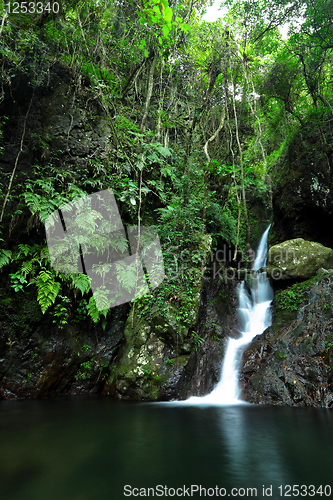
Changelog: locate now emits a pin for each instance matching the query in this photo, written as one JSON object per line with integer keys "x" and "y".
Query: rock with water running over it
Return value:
{"x": 291, "y": 363}
{"x": 298, "y": 258}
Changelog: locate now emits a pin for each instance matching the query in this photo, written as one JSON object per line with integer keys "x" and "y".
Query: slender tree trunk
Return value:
{"x": 16, "y": 162}
{"x": 133, "y": 76}
{"x": 149, "y": 91}
{"x": 160, "y": 104}
{"x": 215, "y": 134}
{"x": 3, "y": 22}
{"x": 234, "y": 173}
{"x": 206, "y": 175}
{"x": 248, "y": 232}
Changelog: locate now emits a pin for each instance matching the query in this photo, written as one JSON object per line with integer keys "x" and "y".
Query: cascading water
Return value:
{"x": 255, "y": 317}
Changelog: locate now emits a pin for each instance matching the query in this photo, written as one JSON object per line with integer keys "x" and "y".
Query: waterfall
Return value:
{"x": 255, "y": 316}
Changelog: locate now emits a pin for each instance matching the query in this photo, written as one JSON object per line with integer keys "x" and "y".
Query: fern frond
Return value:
{"x": 33, "y": 202}
{"x": 127, "y": 274}
{"x": 26, "y": 267}
{"x": 45, "y": 254}
{"x": 82, "y": 282}
{"x": 48, "y": 289}
{"x": 5, "y": 257}
{"x": 23, "y": 250}
{"x": 47, "y": 206}
{"x": 119, "y": 241}
{"x": 93, "y": 311}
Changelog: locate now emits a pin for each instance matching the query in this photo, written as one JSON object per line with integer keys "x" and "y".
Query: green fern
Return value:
{"x": 48, "y": 289}
{"x": 92, "y": 310}
{"x": 23, "y": 250}
{"x": 119, "y": 241}
{"x": 81, "y": 281}
{"x": 94, "y": 313}
{"x": 33, "y": 201}
{"x": 47, "y": 199}
{"x": 127, "y": 275}
{"x": 27, "y": 266}
{"x": 5, "y": 257}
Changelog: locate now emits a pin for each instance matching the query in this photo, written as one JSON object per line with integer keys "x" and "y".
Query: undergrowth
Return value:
{"x": 292, "y": 298}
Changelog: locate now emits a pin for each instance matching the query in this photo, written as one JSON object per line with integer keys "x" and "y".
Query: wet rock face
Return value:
{"x": 37, "y": 359}
{"x": 302, "y": 194}
{"x": 65, "y": 126}
{"x": 298, "y": 259}
{"x": 158, "y": 357}
{"x": 291, "y": 363}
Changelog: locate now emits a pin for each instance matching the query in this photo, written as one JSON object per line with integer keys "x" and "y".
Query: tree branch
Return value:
{"x": 16, "y": 162}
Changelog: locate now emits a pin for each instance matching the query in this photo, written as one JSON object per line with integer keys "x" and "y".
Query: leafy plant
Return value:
{"x": 198, "y": 341}
{"x": 86, "y": 347}
{"x": 60, "y": 312}
{"x": 85, "y": 370}
{"x": 279, "y": 355}
{"x": 18, "y": 280}
{"x": 48, "y": 289}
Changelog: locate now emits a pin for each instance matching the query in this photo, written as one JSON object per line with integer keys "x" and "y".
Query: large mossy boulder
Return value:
{"x": 158, "y": 346}
{"x": 298, "y": 259}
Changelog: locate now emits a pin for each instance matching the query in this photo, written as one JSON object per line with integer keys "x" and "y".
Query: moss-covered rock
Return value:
{"x": 160, "y": 350}
{"x": 176, "y": 349}
{"x": 298, "y": 258}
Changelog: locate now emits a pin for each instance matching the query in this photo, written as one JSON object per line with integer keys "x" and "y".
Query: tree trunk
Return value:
{"x": 149, "y": 91}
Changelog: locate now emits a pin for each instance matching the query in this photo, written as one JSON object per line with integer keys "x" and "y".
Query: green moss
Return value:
{"x": 154, "y": 393}
{"x": 291, "y": 298}
{"x": 160, "y": 378}
{"x": 281, "y": 318}
{"x": 279, "y": 356}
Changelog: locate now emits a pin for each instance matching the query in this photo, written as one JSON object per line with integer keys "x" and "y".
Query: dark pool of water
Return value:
{"x": 89, "y": 449}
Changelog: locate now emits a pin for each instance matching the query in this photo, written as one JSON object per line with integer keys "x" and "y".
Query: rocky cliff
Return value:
{"x": 291, "y": 363}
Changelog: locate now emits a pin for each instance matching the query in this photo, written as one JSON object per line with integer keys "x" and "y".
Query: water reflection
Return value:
{"x": 86, "y": 449}
{"x": 253, "y": 451}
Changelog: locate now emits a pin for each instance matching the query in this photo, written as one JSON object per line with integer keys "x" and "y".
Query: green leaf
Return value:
{"x": 145, "y": 53}
{"x": 184, "y": 26}
{"x": 165, "y": 31}
{"x": 167, "y": 14}
{"x": 163, "y": 150}
{"x": 94, "y": 313}
{"x": 23, "y": 249}
{"x": 126, "y": 275}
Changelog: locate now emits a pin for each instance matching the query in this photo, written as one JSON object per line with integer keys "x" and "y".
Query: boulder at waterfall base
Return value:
{"x": 298, "y": 259}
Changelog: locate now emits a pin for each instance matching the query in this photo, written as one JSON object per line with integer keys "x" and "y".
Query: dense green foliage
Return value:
{"x": 198, "y": 115}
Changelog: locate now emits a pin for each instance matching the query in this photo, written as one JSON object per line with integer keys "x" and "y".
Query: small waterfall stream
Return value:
{"x": 255, "y": 317}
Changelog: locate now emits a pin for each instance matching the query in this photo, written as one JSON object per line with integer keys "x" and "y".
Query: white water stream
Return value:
{"x": 255, "y": 317}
